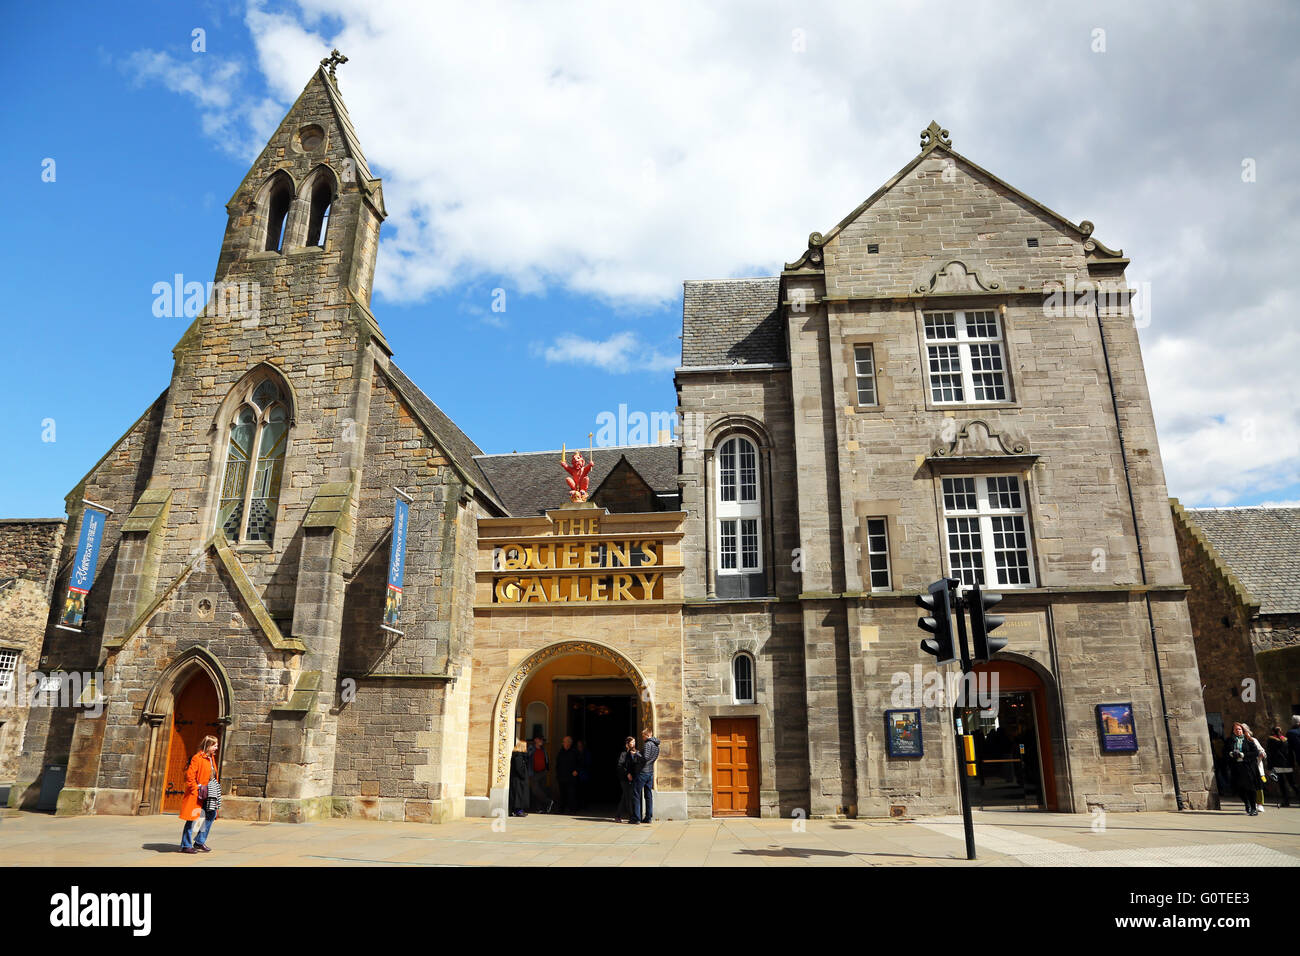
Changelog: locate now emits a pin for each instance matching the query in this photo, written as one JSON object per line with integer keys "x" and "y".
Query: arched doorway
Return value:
{"x": 587, "y": 691}
{"x": 194, "y": 716}
{"x": 192, "y": 698}
{"x": 1013, "y": 745}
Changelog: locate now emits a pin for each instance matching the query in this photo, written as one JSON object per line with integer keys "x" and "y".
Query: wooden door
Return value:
{"x": 735, "y": 766}
{"x": 194, "y": 716}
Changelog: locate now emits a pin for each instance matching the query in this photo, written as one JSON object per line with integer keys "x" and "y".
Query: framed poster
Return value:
{"x": 1115, "y": 727}
{"x": 903, "y": 733}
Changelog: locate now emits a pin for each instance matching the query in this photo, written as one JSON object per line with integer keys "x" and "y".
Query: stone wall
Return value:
{"x": 28, "y": 549}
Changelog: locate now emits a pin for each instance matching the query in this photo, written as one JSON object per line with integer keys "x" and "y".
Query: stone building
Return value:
{"x": 26, "y": 586}
{"x": 927, "y": 390}
{"x": 1242, "y": 565}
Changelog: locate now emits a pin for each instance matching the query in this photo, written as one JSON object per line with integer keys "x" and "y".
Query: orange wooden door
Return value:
{"x": 194, "y": 716}
{"x": 735, "y": 766}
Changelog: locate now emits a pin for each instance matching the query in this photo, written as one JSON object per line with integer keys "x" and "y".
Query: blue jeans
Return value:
{"x": 187, "y": 840}
{"x": 645, "y": 788}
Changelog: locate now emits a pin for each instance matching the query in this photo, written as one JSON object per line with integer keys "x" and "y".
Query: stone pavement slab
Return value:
{"x": 1191, "y": 838}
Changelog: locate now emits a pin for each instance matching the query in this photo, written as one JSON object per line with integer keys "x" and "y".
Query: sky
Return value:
{"x": 554, "y": 171}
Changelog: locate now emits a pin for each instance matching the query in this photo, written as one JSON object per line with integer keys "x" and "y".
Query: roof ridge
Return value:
{"x": 556, "y": 451}
{"x": 734, "y": 279}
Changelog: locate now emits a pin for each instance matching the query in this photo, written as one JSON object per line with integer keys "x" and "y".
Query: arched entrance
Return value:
{"x": 194, "y": 716}
{"x": 191, "y": 699}
{"x": 585, "y": 690}
{"x": 1013, "y": 746}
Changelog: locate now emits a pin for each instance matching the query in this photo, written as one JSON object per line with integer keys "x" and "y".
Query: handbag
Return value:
{"x": 210, "y": 793}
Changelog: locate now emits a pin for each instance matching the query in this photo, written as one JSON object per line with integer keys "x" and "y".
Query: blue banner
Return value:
{"x": 396, "y": 565}
{"x": 83, "y": 567}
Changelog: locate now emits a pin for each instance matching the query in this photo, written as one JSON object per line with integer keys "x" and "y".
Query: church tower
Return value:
{"x": 244, "y": 562}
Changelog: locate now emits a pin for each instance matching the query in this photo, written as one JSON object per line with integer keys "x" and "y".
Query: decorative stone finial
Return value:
{"x": 934, "y": 135}
{"x": 335, "y": 58}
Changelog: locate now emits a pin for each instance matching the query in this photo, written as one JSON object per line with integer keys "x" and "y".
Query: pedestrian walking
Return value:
{"x": 1241, "y": 758}
{"x": 519, "y": 779}
{"x": 630, "y": 763}
{"x": 645, "y": 783}
{"x": 1281, "y": 766}
{"x": 202, "y": 799}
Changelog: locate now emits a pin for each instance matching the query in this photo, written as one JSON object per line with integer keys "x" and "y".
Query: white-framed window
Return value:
{"x": 864, "y": 369}
{"x": 965, "y": 357}
{"x": 740, "y": 523}
{"x": 987, "y": 528}
{"x": 8, "y": 667}
{"x": 742, "y": 678}
{"x": 878, "y": 554}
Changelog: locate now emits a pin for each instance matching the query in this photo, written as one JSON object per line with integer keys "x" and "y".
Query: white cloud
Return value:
{"x": 614, "y": 150}
{"x": 621, "y": 352}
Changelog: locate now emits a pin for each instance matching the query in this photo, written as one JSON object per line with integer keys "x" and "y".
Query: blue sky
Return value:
{"x": 588, "y": 160}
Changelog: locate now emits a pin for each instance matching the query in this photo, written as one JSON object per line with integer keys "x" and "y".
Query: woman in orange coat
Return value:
{"x": 202, "y": 772}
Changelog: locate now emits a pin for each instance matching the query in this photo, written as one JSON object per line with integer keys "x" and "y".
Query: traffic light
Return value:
{"x": 981, "y": 622}
{"x": 939, "y": 603}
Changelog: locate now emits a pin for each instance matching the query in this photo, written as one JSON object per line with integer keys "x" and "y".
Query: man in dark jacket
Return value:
{"x": 1293, "y": 738}
{"x": 538, "y": 765}
{"x": 645, "y": 783}
{"x": 566, "y": 772}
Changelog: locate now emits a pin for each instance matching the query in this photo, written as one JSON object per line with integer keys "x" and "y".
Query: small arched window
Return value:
{"x": 322, "y": 198}
{"x": 278, "y": 199}
{"x": 250, "y": 488}
{"x": 740, "y": 531}
{"x": 742, "y": 678}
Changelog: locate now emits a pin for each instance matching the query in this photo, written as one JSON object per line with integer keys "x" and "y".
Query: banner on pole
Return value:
{"x": 83, "y": 568}
{"x": 396, "y": 566}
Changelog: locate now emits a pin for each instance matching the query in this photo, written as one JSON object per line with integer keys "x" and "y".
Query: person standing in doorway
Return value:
{"x": 584, "y": 773}
{"x": 1261, "y": 776}
{"x": 1245, "y": 776}
{"x": 519, "y": 779}
{"x": 629, "y": 769}
{"x": 200, "y": 780}
{"x": 1293, "y": 738}
{"x": 566, "y": 772}
{"x": 538, "y": 766}
{"x": 646, "y": 779}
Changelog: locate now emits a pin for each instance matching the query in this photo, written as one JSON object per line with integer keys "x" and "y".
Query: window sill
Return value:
{"x": 304, "y": 250}
{"x": 252, "y": 547}
{"x": 971, "y": 406}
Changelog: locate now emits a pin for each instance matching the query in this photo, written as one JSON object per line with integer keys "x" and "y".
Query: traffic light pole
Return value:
{"x": 959, "y": 609}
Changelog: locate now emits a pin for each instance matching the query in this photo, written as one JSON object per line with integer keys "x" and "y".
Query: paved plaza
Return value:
{"x": 1193, "y": 838}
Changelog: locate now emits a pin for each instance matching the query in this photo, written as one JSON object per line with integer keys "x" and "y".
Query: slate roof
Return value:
{"x": 532, "y": 483}
{"x": 457, "y": 445}
{"x": 732, "y": 321}
{"x": 1262, "y": 547}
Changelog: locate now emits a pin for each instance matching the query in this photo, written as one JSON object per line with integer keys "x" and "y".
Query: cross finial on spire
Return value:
{"x": 333, "y": 61}
{"x": 934, "y": 135}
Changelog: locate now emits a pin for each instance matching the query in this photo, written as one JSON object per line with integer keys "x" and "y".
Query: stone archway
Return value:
{"x": 503, "y": 711}
{"x": 194, "y": 664}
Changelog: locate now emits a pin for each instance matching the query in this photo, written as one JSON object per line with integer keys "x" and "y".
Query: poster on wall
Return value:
{"x": 1115, "y": 725}
{"x": 93, "y": 518}
{"x": 396, "y": 563}
{"x": 903, "y": 733}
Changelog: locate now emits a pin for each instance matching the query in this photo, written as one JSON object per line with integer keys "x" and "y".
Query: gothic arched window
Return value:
{"x": 322, "y": 197}
{"x": 278, "y": 199}
{"x": 250, "y": 487}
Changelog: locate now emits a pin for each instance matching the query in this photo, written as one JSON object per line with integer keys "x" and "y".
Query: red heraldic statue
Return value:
{"x": 578, "y": 471}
